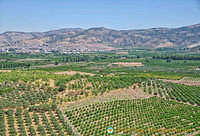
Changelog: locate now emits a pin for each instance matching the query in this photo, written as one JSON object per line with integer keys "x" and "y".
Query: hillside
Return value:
{"x": 85, "y": 94}
{"x": 195, "y": 49}
{"x": 103, "y": 38}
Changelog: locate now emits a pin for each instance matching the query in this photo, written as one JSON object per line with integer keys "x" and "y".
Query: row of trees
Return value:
{"x": 172, "y": 91}
{"x": 9, "y": 65}
{"x": 45, "y": 123}
{"x": 177, "y": 57}
{"x": 22, "y": 95}
{"x": 97, "y": 85}
{"x": 136, "y": 116}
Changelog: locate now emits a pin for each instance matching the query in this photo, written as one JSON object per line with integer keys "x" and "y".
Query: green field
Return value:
{"x": 84, "y": 94}
{"x": 153, "y": 116}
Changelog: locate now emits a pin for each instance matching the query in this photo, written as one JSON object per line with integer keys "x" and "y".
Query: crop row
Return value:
{"x": 23, "y": 123}
{"x": 22, "y": 95}
{"x": 179, "y": 92}
{"x": 140, "y": 116}
{"x": 195, "y": 79}
{"x": 96, "y": 85}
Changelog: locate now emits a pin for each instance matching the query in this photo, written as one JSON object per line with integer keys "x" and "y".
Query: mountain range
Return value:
{"x": 182, "y": 37}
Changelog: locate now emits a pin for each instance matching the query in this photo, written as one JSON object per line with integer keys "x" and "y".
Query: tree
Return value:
{"x": 75, "y": 97}
{"x": 62, "y": 87}
{"x": 168, "y": 60}
{"x": 56, "y": 63}
{"x": 86, "y": 94}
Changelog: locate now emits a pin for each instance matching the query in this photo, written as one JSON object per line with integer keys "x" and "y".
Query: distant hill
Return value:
{"x": 195, "y": 49}
{"x": 144, "y": 38}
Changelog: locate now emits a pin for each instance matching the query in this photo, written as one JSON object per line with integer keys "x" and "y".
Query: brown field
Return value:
{"x": 72, "y": 73}
{"x": 129, "y": 64}
{"x": 28, "y": 59}
{"x": 5, "y": 70}
{"x": 122, "y": 52}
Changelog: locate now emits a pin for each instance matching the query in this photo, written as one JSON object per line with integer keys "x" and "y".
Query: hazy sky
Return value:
{"x": 43, "y": 15}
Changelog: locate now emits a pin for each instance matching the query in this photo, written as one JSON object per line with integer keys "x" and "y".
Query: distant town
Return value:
{"x": 52, "y": 48}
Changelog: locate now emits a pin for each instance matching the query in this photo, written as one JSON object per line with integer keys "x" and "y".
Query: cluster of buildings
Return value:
{"x": 62, "y": 48}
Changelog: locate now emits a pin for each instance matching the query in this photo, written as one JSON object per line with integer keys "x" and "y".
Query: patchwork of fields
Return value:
{"x": 85, "y": 94}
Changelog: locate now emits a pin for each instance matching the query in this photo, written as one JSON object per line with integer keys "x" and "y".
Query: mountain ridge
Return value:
{"x": 180, "y": 37}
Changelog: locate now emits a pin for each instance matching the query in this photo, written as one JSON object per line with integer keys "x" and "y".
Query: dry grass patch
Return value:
{"x": 5, "y": 71}
{"x": 129, "y": 64}
{"x": 72, "y": 73}
{"x": 29, "y": 59}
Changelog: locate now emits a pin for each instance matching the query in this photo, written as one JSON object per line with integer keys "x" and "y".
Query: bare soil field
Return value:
{"x": 129, "y": 64}
{"x": 72, "y": 73}
{"x": 5, "y": 71}
{"x": 182, "y": 82}
{"x": 28, "y": 59}
{"x": 121, "y": 52}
